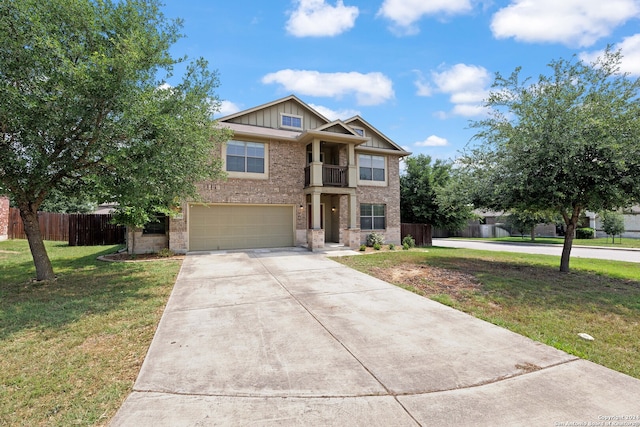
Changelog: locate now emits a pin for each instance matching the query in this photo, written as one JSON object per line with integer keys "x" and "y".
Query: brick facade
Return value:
{"x": 4, "y": 218}
{"x": 389, "y": 196}
{"x": 286, "y": 156}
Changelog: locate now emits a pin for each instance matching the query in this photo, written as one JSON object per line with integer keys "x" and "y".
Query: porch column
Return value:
{"x": 353, "y": 167}
{"x": 352, "y": 233}
{"x": 315, "y": 235}
{"x": 315, "y": 211}
{"x": 353, "y": 207}
{"x": 316, "y": 165}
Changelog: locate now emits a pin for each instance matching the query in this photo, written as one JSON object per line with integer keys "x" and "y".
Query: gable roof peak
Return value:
{"x": 291, "y": 97}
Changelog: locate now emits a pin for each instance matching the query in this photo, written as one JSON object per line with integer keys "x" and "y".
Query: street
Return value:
{"x": 629, "y": 255}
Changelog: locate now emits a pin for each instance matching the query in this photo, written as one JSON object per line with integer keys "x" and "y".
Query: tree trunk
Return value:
{"x": 533, "y": 234}
{"x": 568, "y": 239}
{"x": 44, "y": 269}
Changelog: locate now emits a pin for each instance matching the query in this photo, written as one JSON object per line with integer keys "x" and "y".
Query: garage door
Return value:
{"x": 216, "y": 227}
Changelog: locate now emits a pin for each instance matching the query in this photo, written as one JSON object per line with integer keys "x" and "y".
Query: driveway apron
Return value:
{"x": 288, "y": 337}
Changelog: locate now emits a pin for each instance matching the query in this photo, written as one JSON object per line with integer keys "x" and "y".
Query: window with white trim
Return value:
{"x": 358, "y": 130}
{"x": 290, "y": 121}
{"x": 372, "y": 217}
{"x": 243, "y": 156}
{"x": 371, "y": 167}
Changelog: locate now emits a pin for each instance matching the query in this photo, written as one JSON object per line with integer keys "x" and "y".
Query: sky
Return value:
{"x": 417, "y": 70}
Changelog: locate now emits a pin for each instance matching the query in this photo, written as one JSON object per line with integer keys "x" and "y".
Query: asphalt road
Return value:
{"x": 630, "y": 255}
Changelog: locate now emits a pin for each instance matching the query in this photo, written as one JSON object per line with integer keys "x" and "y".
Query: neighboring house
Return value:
{"x": 294, "y": 178}
{"x": 631, "y": 223}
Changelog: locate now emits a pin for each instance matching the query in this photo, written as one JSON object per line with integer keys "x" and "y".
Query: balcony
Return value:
{"x": 332, "y": 176}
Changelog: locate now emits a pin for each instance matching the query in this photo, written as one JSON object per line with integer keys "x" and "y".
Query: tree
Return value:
{"x": 429, "y": 194}
{"x": 569, "y": 142}
{"x": 612, "y": 223}
{"x": 85, "y": 109}
{"x": 525, "y": 221}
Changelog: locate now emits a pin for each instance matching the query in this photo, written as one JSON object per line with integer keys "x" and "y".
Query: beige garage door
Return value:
{"x": 216, "y": 227}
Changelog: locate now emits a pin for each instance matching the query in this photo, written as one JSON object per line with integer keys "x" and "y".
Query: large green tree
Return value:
{"x": 568, "y": 142}
{"x": 429, "y": 194}
{"x": 85, "y": 108}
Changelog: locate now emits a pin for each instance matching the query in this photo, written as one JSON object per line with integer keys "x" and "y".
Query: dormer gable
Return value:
{"x": 288, "y": 113}
{"x": 375, "y": 138}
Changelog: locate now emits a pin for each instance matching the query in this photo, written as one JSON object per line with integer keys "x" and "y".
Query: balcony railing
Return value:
{"x": 332, "y": 176}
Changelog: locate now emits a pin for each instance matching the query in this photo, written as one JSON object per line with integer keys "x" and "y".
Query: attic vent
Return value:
{"x": 290, "y": 121}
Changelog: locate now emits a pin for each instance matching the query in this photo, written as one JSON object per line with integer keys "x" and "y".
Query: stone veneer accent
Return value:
{"x": 315, "y": 239}
{"x": 4, "y": 218}
{"x": 145, "y": 244}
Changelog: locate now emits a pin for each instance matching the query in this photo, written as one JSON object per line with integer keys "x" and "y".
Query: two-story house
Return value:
{"x": 294, "y": 178}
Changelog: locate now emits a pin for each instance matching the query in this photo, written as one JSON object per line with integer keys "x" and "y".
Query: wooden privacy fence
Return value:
{"x": 421, "y": 233}
{"x": 77, "y": 229}
{"x": 91, "y": 230}
{"x": 53, "y": 226}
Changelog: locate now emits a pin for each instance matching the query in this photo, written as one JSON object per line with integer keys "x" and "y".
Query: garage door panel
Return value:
{"x": 218, "y": 227}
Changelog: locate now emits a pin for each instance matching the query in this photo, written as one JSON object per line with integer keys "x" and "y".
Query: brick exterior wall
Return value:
{"x": 389, "y": 196}
{"x": 4, "y": 218}
{"x": 285, "y": 186}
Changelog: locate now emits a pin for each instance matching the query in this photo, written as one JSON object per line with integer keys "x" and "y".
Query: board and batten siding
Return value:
{"x": 270, "y": 117}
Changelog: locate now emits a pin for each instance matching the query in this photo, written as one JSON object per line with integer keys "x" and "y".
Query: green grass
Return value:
{"x": 601, "y": 241}
{"x": 528, "y": 295}
{"x": 71, "y": 349}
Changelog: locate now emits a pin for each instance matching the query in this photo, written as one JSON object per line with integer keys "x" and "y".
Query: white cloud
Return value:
{"x": 369, "y": 89}
{"x": 226, "y": 108}
{"x": 571, "y": 22}
{"x": 466, "y": 86}
{"x": 315, "y": 18}
{"x": 405, "y": 13}
{"x": 433, "y": 141}
{"x": 424, "y": 88}
{"x": 335, "y": 114}
{"x": 630, "y": 49}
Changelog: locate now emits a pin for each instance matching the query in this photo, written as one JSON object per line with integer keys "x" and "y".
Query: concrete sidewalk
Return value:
{"x": 293, "y": 338}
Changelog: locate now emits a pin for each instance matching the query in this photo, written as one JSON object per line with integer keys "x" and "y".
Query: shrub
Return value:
{"x": 363, "y": 248}
{"x": 584, "y": 233}
{"x": 377, "y": 246}
{"x": 165, "y": 253}
{"x": 374, "y": 238}
{"x": 409, "y": 241}
{"x": 392, "y": 246}
{"x": 405, "y": 246}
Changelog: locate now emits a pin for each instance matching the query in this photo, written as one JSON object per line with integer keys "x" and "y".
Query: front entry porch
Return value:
{"x": 331, "y": 218}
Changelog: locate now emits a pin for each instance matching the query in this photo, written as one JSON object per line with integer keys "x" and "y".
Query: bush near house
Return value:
{"x": 585, "y": 233}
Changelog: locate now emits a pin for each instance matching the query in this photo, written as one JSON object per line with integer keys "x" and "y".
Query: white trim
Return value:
{"x": 282, "y": 126}
{"x": 247, "y": 175}
{"x": 358, "y": 128}
{"x": 372, "y": 183}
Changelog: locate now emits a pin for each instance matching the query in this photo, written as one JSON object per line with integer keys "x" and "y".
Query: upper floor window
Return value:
{"x": 290, "y": 121}
{"x": 371, "y": 167}
{"x": 359, "y": 131}
{"x": 245, "y": 157}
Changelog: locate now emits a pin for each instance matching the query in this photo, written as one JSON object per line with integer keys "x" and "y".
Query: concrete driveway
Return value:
{"x": 293, "y": 338}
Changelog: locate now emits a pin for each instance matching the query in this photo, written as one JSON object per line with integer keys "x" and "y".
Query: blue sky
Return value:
{"x": 417, "y": 70}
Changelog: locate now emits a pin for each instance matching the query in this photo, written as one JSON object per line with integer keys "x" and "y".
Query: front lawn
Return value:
{"x": 71, "y": 349}
{"x": 528, "y": 295}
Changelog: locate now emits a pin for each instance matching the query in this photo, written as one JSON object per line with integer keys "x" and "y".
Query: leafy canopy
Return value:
{"x": 429, "y": 194}
{"x": 85, "y": 107}
{"x": 568, "y": 142}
